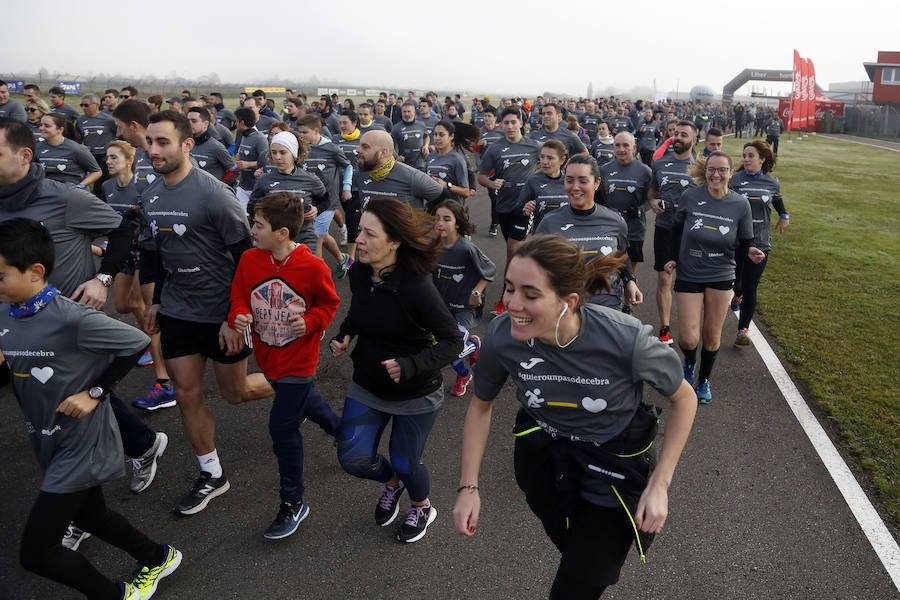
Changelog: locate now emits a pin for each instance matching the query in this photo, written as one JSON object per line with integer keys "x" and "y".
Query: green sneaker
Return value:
{"x": 147, "y": 578}
{"x": 343, "y": 265}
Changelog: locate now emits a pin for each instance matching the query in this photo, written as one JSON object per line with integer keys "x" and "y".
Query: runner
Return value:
{"x": 648, "y": 134}
{"x": 381, "y": 116}
{"x": 491, "y": 132}
{"x": 348, "y": 143}
{"x": 84, "y": 354}
{"x": 380, "y": 176}
{"x": 252, "y": 147}
{"x": 773, "y": 127}
{"x": 10, "y": 108}
{"x": 591, "y": 120}
{"x": 754, "y": 181}
{"x": 411, "y": 138}
{"x": 58, "y": 104}
{"x": 447, "y": 165}
{"x": 713, "y": 227}
{"x": 97, "y": 129}
{"x": 199, "y": 230}
{"x": 36, "y": 108}
{"x": 713, "y": 141}
{"x": 427, "y": 116}
{"x": 505, "y": 168}
{"x": 544, "y": 191}
{"x": 552, "y": 116}
{"x": 579, "y": 372}
{"x": 603, "y": 149}
{"x": 588, "y": 222}
{"x": 224, "y": 116}
{"x": 64, "y": 159}
{"x": 670, "y": 180}
{"x": 286, "y": 296}
{"x": 210, "y": 154}
{"x": 463, "y": 272}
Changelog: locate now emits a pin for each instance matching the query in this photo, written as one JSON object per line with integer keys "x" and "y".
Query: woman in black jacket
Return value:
{"x": 405, "y": 335}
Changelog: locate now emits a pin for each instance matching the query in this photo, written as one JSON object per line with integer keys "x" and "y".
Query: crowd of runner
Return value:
{"x": 214, "y": 227}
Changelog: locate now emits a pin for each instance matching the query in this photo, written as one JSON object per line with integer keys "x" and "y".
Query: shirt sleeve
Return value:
{"x": 490, "y": 375}
{"x": 98, "y": 333}
{"x": 485, "y": 266}
{"x": 86, "y": 212}
{"x": 86, "y": 160}
{"x": 653, "y": 362}
{"x": 225, "y": 159}
{"x": 430, "y": 312}
{"x": 425, "y": 187}
{"x": 226, "y": 213}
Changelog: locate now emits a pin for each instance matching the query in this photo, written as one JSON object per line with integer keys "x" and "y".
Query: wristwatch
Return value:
{"x": 97, "y": 393}
{"x": 106, "y": 280}
{"x": 476, "y": 293}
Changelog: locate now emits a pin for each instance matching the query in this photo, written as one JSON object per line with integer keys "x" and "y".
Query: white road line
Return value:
{"x": 845, "y": 140}
{"x": 879, "y": 536}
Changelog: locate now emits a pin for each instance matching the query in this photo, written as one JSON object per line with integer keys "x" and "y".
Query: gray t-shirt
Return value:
{"x": 120, "y": 198}
{"x": 97, "y": 132}
{"x": 601, "y": 233}
{"x": 627, "y": 193}
{"x": 514, "y": 163}
{"x": 193, "y": 223}
{"x": 670, "y": 179}
{"x": 225, "y": 117}
{"x": 409, "y": 138}
{"x": 590, "y": 121}
{"x": 589, "y": 390}
{"x": 74, "y": 217}
{"x": 429, "y": 123}
{"x": 300, "y": 183}
{"x": 327, "y": 162}
{"x": 384, "y": 122}
{"x": 548, "y": 195}
{"x": 68, "y": 162}
{"x": 760, "y": 191}
{"x": 144, "y": 174}
{"x": 450, "y": 167}
{"x": 571, "y": 141}
{"x": 459, "y": 269}
{"x": 712, "y": 230}
{"x": 59, "y": 351}
{"x": 212, "y": 157}
{"x": 253, "y": 147}
{"x": 13, "y": 110}
{"x": 648, "y": 134}
{"x": 404, "y": 183}
{"x": 69, "y": 112}
{"x": 221, "y": 133}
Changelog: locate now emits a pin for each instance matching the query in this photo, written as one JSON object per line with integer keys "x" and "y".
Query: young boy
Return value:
{"x": 63, "y": 359}
{"x": 287, "y": 294}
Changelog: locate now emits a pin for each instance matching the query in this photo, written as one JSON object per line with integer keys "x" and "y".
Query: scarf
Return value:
{"x": 33, "y": 304}
{"x": 352, "y": 136}
{"x": 381, "y": 173}
{"x": 757, "y": 174}
{"x": 199, "y": 139}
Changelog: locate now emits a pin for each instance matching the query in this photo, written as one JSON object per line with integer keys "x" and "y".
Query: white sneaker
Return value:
{"x": 73, "y": 538}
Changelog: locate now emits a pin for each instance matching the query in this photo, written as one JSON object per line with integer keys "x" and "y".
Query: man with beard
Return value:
{"x": 210, "y": 154}
{"x": 552, "y": 131}
{"x": 590, "y": 120}
{"x": 380, "y": 176}
{"x": 411, "y": 138}
{"x": 199, "y": 231}
{"x": 670, "y": 180}
{"x": 10, "y": 108}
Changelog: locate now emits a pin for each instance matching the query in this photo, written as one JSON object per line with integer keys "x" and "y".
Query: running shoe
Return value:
{"x": 287, "y": 520}
{"x": 147, "y": 578}
{"x": 388, "y": 505}
{"x": 704, "y": 395}
{"x": 492, "y": 231}
{"x": 146, "y": 359}
{"x": 665, "y": 336}
{"x": 498, "y": 309}
{"x": 743, "y": 338}
{"x": 144, "y": 468}
{"x": 129, "y": 592}
{"x": 342, "y": 236}
{"x": 689, "y": 372}
{"x": 73, "y": 538}
{"x": 343, "y": 265}
{"x": 418, "y": 518}
{"x": 159, "y": 396}
{"x": 462, "y": 382}
{"x": 473, "y": 358}
{"x": 735, "y": 304}
{"x": 205, "y": 489}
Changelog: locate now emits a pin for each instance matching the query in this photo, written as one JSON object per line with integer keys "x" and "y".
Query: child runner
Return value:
{"x": 63, "y": 360}
{"x": 462, "y": 273}
{"x": 288, "y": 296}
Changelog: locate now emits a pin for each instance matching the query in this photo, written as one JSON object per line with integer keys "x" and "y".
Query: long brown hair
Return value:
{"x": 414, "y": 230}
{"x": 765, "y": 152}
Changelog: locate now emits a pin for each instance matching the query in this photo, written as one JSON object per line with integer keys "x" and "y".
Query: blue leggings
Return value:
{"x": 359, "y": 434}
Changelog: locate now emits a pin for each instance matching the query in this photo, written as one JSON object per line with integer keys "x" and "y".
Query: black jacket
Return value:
{"x": 402, "y": 318}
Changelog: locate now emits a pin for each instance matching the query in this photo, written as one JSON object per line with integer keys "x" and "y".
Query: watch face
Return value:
{"x": 95, "y": 392}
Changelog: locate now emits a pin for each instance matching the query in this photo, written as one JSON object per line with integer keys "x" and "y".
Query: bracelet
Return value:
{"x": 785, "y": 216}
{"x": 474, "y": 488}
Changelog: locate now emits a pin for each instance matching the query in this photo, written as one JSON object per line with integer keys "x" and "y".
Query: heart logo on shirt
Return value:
{"x": 202, "y": 163}
{"x": 151, "y": 178}
{"x": 606, "y": 250}
{"x": 179, "y": 228}
{"x": 525, "y": 161}
{"x": 631, "y": 189}
{"x": 684, "y": 182}
{"x": 442, "y": 175}
{"x": 724, "y": 229}
{"x": 42, "y": 374}
{"x": 593, "y": 405}
{"x": 766, "y": 198}
{"x": 321, "y": 167}
{"x": 61, "y": 167}
{"x": 458, "y": 277}
{"x": 246, "y": 152}
{"x": 99, "y": 132}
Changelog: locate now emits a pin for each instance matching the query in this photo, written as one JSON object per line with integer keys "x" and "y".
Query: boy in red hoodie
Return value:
{"x": 287, "y": 295}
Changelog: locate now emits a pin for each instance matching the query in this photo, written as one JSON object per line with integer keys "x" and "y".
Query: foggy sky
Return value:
{"x": 520, "y": 47}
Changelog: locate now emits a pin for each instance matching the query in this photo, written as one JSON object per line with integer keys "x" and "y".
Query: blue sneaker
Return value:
{"x": 735, "y": 304}
{"x": 689, "y": 372}
{"x": 146, "y": 359}
{"x": 704, "y": 395}
{"x": 287, "y": 520}
{"x": 159, "y": 396}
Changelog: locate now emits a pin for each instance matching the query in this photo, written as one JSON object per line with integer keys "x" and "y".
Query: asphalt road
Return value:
{"x": 753, "y": 512}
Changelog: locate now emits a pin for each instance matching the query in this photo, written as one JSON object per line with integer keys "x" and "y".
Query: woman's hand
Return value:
{"x": 756, "y": 255}
{"x": 476, "y": 301}
{"x": 529, "y": 208}
{"x": 670, "y": 266}
{"x": 465, "y": 513}
{"x": 652, "y": 508}
{"x": 339, "y": 347}
{"x": 782, "y": 225}
{"x": 443, "y": 183}
{"x": 633, "y": 293}
{"x": 393, "y": 369}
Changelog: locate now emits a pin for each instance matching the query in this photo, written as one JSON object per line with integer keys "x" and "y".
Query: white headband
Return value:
{"x": 288, "y": 140}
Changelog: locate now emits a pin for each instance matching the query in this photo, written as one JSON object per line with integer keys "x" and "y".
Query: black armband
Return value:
{"x": 118, "y": 247}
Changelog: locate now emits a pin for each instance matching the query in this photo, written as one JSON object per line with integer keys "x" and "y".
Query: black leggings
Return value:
{"x": 41, "y": 550}
{"x": 746, "y": 281}
{"x": 594, "y": 540}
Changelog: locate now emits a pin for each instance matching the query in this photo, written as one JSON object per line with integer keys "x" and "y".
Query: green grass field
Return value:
{"x": 830, "y": 291}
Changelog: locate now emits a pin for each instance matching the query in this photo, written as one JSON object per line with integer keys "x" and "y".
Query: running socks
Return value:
{"x": 210, "y": 463}
{"x": 690, "y": 355}
{"x": 459, "y": 365}
{"x": 707, "y": 360}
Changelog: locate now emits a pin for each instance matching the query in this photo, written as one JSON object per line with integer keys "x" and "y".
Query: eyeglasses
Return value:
{"x": 719, "y": 170}
{"x": 32, "y": 109}
{"x": 124, "y": 96}
{"x": 84, "y": 105}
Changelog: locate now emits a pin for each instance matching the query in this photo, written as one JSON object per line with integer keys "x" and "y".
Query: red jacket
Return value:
{"x": 272, "y": 292}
